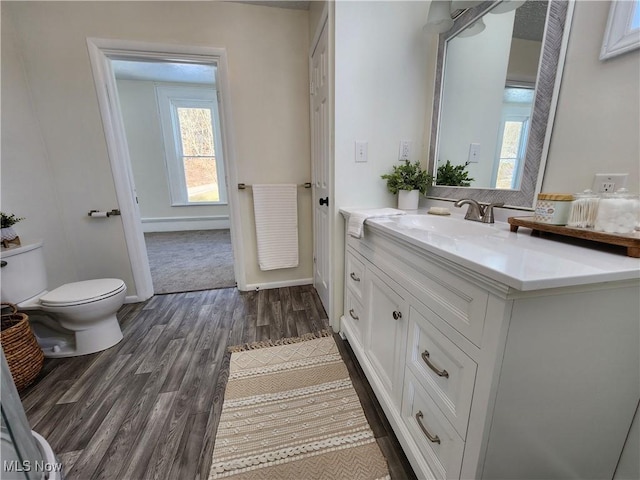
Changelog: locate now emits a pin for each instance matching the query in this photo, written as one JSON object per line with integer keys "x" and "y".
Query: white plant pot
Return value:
{"x": 408, "y": 199}
{"x": 8, "y": 233}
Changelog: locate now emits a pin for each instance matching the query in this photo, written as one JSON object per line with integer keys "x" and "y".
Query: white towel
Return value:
{"x": 357, "y": 218}
{"x": 276, "y": 216}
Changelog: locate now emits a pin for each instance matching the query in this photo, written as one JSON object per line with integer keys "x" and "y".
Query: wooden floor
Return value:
{"x": 150, "y": 406}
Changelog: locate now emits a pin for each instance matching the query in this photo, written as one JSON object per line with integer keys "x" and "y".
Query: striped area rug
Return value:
{"x": 291, "y": 412}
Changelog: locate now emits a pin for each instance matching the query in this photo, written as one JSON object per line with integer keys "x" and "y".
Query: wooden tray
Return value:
{"x": 630, "y": 241}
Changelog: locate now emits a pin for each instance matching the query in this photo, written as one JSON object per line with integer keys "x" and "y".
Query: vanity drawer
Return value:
{"x": 354, "y": 315}
{"x": 355, "y": 274}
{"x": 442, "y": 369}
{"x": 448, "y": 292}
{"x": 439, "y": 443}
{"x": 462, "y": 304}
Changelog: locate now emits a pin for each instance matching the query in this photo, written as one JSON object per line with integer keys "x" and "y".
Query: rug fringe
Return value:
{"x": 281, "y": 341}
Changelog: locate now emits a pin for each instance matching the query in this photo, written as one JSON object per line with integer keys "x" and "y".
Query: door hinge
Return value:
{"x": 311, "y": 88}
{"x": 314, "y": 259}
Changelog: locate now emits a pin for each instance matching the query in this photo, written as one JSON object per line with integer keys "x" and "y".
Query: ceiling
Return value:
{"x": 530, "y": 20}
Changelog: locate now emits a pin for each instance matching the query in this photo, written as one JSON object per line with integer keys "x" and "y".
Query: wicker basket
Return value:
{"x": 24, "y": 355}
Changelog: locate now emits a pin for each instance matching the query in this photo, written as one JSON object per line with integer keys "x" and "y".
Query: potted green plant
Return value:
{"x": 8, "y": 233}
{"x": 408, "y": 180}
{"x": 453, "y": 175}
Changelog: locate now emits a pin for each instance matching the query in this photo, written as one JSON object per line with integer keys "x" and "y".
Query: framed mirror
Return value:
{"x": 497, "y": 80}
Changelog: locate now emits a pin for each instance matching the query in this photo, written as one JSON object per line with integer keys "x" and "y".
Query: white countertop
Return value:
{"x": 518, "y": 260}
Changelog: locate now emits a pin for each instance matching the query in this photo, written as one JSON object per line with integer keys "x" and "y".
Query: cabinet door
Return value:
{"x": 387, "y": 315}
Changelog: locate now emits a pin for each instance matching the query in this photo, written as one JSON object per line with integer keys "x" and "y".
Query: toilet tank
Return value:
{"x": 24, "y": 275}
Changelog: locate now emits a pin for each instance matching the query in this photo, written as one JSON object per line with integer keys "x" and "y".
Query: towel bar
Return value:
{"x": 242, "y": 186}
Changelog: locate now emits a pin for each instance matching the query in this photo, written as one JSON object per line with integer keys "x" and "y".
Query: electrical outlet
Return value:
{"x": 405, "y": 150}
{"x": 609, "y": 182}
{"x": 361, "y": 152}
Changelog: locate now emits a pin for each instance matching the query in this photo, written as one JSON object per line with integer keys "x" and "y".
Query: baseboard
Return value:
{"x": 280, "y": 284}
{"x": 134, "y": 299}
{"x": 178, "y": 224}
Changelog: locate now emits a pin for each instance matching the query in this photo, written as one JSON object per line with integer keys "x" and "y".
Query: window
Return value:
{"x": 512, "y": 137}
{"x": 193, "y": 148}
{"x": 512, "y": 151}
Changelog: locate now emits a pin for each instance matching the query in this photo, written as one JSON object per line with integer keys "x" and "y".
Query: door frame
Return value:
{"x": 101, "y": 51}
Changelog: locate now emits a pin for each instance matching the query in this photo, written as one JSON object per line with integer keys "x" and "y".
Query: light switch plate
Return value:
{"x": 474, "y": 153}
{"x": 362, "y": 152}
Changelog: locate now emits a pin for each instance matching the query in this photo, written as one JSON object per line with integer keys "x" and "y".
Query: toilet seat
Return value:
{"x": 80, "y": 293}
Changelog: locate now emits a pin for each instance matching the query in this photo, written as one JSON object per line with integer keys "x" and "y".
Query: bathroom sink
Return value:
{"x": 445, "y": 225}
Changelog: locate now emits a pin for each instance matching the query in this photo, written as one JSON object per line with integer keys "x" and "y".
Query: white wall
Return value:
{"x": 146, "y": 148}
{"x": 379, "y": 93}
{"x": 523, "y": 60}
{"x": 473, "y": 88}
{"x": 380, "y": 98}
{"x": 267, "y": 55}
{"x": 598, "y": 116}
{"x": 26, "y": 187}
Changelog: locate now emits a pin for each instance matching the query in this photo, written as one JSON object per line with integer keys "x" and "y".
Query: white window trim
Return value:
{"x": 169, "y": 99}
{"x": 518, "y": 114}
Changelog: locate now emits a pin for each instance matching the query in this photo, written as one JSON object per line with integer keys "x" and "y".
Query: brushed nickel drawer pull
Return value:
{"x": 353, "y": 277}
{"x": 440, "y": 373}
{"x": 434, "y": 439}
{"x": 397, "y": 315}
{"x": 353, "y": 315}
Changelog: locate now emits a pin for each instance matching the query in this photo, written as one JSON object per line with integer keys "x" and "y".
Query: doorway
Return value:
{"x": 187, "y": 99}
{"x": 173, "y": 127}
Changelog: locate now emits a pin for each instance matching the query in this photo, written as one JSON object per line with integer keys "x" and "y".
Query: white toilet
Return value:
{"x": 75, "y": 319}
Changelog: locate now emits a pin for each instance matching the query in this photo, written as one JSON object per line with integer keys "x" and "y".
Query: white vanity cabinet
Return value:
{"x": 379, "y": 328}
{"x": 482, "y": 380}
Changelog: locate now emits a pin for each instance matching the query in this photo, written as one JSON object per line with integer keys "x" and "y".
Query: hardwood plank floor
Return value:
{"x": 149, "y": 407}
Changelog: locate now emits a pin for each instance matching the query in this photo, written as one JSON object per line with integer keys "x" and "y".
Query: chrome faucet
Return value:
{"x": 478, "y": 212}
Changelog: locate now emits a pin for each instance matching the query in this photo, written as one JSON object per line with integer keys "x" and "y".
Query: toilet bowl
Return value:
{"x": 74, "y": 319}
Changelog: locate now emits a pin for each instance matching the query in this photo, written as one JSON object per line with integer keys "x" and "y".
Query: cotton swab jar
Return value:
{"x": 618, "y": 212}
{"x": 584, "y": 210}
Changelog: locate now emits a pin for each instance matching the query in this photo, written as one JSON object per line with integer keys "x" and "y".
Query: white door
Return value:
{"x": 320, "y": 164}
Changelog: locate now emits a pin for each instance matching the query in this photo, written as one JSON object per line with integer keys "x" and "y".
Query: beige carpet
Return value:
{"x": 291, "y": 412}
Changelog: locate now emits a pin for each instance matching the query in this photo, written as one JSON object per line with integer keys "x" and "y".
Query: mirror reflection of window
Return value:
{"x": 635, "y": 19}
{"x": 512, "y": 137}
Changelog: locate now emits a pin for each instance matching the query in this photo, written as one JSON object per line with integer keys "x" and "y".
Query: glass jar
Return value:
{"x": 584, "y": 210}
{"x": 618, "y": 212}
